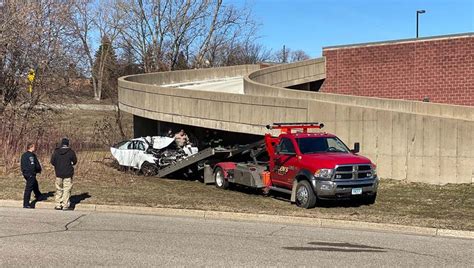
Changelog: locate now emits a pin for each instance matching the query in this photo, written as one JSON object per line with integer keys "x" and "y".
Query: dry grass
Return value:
{"x": 80, "y": 126}
{"x": 449, "y": 206}
{"x": 80, "y": 91}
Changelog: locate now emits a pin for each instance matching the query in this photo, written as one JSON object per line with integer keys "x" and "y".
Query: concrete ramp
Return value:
{"x": 409, "y": 140}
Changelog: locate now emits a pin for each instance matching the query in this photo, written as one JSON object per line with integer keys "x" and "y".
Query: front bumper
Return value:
{"x": 342, "y": 189}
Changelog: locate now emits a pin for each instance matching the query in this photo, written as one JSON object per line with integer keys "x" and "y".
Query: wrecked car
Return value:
{"x": 149, "y": 154}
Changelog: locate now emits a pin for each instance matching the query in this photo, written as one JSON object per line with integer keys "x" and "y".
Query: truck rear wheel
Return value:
{"x": 305, "y": 196}
{"x": 148, "y": 169}
{"x": 220, "y": 180}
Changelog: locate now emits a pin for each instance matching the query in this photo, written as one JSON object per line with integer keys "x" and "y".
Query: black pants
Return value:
{"x": 31, "y": 185}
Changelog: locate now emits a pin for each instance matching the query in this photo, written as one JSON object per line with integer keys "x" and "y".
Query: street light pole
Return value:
{"x": 418, "y": 12}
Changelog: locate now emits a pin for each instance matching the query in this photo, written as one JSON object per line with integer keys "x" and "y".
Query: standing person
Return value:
{"x": 30, "y": 166}
{"x": 63, "y": 160}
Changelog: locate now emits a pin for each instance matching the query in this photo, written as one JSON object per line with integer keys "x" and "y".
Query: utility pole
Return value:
{"x": 284, "y": 54}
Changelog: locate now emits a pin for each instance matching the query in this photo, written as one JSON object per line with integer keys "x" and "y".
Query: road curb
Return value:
{"x": 239, "y": 216}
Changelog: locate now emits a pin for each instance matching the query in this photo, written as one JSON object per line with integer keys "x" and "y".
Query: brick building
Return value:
{"x": 439, "y": 69}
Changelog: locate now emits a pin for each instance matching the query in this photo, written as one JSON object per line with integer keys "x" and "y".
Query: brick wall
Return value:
{"x": 441, "y": 69}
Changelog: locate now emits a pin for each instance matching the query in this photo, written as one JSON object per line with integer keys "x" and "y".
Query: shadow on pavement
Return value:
{"x": 76, "y": 199}
{"x": 44, "y": 197}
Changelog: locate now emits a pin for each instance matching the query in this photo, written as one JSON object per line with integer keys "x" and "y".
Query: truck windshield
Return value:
{"x": 313, "y": 145}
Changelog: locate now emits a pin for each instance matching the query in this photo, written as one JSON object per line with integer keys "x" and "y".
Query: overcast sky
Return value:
{"x": 313, "y": 24}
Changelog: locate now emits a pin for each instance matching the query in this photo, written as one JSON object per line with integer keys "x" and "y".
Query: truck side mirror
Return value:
{"x": 356, "y": 148}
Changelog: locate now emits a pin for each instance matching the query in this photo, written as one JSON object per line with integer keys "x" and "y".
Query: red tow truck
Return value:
{"x": 309, "y": 166}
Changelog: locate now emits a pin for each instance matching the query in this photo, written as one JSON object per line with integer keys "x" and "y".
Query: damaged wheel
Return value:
{"x": 148, "y": 169}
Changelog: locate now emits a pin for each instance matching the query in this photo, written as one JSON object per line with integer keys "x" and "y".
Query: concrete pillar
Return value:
{"x": 144, "y": 127}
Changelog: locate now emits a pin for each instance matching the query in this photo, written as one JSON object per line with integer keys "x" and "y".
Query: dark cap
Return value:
{"x": 64, "y": 142}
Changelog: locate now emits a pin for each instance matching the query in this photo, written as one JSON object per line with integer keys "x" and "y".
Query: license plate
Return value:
{"x": 356, "y": 191}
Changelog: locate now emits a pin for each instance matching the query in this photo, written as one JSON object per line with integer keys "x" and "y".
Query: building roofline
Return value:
{"x": 408, "y": 40}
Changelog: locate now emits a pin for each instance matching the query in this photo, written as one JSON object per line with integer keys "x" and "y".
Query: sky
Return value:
{"x": 312, "y": 24}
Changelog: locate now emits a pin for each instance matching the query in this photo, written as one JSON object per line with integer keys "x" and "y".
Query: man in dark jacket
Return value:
{"x": 63, "y": 160}
{"x": 30, "y": 166}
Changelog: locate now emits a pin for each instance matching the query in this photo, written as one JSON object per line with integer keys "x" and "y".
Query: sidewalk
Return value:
{"x": 217, "y": 215}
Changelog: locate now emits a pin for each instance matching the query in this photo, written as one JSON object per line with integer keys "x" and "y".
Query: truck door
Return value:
{"x": 284, "y": 170}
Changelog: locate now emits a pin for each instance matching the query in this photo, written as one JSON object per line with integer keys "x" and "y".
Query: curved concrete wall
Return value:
{"x": 408, "y": 140}
{"x": 141, "y": 95}
{"x": 288, "y": 74}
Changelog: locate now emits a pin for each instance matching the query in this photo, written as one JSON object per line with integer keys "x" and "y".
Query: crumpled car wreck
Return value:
{"x": 149, "y": 154}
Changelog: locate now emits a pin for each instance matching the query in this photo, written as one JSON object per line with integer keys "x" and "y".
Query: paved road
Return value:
{"x": 52, "y": 238}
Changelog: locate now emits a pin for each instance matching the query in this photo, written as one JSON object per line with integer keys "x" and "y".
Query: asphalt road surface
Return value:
{"x": 69, "y": 238}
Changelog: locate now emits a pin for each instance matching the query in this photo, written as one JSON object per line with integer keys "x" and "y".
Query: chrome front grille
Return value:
{"x": 352, "y": 172}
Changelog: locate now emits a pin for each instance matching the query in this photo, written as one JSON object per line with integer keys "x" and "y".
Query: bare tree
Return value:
{"x": 232, "y": 40}
{"x": 32, "y": 40}
{"x": 298, "y": 55}
{"x": 81, "y": 27}
{"x": 166, "y": 33}
{"x": 162, "y": 35}
{"x": 281, "y": 56}
{"x": 145, "y": 30}
{"x": 205, "y": 44}
{"x": 92, "y": 21}
{"x": 240, "y": 53}
{"x": 32, "y": 37}
{"x": 109, "y": 22}
{"x": 287, "y": 55}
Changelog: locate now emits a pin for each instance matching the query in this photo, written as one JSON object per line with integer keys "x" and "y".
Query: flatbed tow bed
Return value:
{"x": 211, "y": 153}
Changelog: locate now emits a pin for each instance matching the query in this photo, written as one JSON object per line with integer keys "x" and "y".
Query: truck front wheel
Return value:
{"x": 370, "y": 200}
{"x": 220, "y": 180}
{"x": 305, "y": 196}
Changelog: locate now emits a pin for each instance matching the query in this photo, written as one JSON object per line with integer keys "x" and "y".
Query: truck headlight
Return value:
{"x": 374, "y": 170}
{"x": 324, "y": 173}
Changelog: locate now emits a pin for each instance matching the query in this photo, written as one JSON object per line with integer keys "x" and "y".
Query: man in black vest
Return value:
{"x": 30, "y": 166}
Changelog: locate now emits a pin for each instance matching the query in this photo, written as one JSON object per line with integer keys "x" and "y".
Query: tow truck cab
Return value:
{"x": 310, "y": 166}
{"x": 322, "y": 159}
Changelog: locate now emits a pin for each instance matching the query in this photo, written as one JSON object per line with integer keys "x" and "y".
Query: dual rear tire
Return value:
{"x": 219, "y": 179}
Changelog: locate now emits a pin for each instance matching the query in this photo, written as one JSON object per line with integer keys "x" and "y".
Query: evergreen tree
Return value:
{"x": 182, "y": 62}
{"x": 127, "y": 63}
